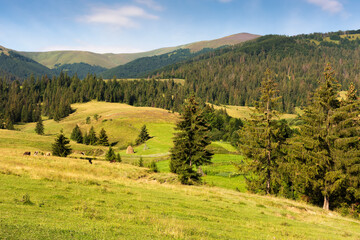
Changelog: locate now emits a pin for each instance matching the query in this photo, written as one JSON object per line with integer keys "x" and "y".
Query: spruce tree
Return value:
{"x": 143, "y": 136}
{"x": 60, "y": 147}
{"x": 92, "y": 136}
{"x": 39, "y": 129}
{"x": 118, "y": 157}
{"x": 262, "y": 140}
{"x": 76, "y": 134}
{"x": 190, "y": 142}
{"x": 110, "y": 155}
{"x": 318, "y": 171}
{"x": 346, "y": 150}
{"x": 103, "y": 138}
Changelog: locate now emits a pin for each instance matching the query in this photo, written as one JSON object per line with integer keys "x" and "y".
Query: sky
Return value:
{"x": 127, "y": 26}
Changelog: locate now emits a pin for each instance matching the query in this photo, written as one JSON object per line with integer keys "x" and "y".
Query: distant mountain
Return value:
{"x": 232, "y": 75}
{"x": 142, "y": 67}
{"x": 20, "y": 66}
{"x": 81, "y": 69}
{"x": 110, "y": 60}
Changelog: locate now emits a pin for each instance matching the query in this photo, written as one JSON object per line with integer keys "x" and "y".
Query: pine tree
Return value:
{"x": 86, "y": 139}
{"x": 92, "y": 136}
{"x": 60, "y": 147}
{"x": 39, "y": 129}
{"x": 141, "y": 162}
{"x": 143, "y": 136}
{"x": 118, "y": 157}
{"x": 110, "y": 155}
{"x": 103, "y": 138}
{"x": 76, "y": 134}
{"x": 346, "y": 149}
{"x": 190, "y": 143}
{"x": 153, "y": 167}
{"x": 318, "y": 173}
{"x": 262, "y": 139}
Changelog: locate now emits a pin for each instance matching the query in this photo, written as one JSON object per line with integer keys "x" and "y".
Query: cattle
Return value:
{"x": 82, "y": 153}
{"x": 48, "y": 154}
{"x": 36, "y": 153}
{"x": 27, "y": 153}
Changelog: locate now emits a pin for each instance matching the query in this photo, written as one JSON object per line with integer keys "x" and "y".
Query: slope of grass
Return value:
{"x": 62, "y": 198}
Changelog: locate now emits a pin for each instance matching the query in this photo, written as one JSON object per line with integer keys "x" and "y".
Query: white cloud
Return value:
{"x": 150, "y": 4}
{"x": 332, "y": 6}
{"x": 122, "y": 16}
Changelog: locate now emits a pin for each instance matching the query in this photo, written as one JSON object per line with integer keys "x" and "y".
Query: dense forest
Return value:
{"x": 144, "y": 66}
{"x": 232, "y": 75}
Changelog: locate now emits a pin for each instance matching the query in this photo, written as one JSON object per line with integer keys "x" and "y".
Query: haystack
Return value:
{"x": 129, "y": 150}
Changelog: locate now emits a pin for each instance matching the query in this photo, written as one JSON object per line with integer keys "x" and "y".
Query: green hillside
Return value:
{"x": 110, "y": 60}
{"x": 64, "y": 198}
{"x": 142, "y": 67}
{"x": 232, "y": 75}
{"x": 20, "y": 66}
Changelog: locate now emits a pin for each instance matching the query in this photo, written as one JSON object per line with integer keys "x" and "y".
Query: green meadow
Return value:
{"x": 44, "y": 197}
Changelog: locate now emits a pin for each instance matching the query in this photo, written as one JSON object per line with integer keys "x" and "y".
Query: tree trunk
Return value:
{"x": 326, "y": 203}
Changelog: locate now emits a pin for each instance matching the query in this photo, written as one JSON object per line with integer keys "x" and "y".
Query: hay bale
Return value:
{"x": 129, "y": 150}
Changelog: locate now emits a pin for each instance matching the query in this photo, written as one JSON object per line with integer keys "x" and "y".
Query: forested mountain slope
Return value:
{"x": 233, "y": 74}
{"x": 20, "y": 66}
{"x": 52, "y": 59}
{"x": 144, "y": 66}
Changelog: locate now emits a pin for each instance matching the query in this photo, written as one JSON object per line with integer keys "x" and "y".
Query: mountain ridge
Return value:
{"x": 51, "y": 59}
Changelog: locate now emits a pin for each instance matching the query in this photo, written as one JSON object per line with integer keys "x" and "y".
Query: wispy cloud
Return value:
{"x": 126, "y": 16}
{"x": 332, "y": 6}
{"x": 151, "y": 4}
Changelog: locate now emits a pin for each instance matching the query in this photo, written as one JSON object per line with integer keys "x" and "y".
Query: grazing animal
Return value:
{"x": 82, "y": 153}
{"x": 27, "y": 153}
{"x": 48, "y": 154}
{"x": 36, "y": 153}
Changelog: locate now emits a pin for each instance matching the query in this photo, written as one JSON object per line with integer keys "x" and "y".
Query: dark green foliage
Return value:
{"x": 223, "y": 127}
{"x": 92, "y": 136}
{"x": 326, "y": 151}
{"x": 143, "y": 136}
{"x": 86, "y": 139}
{"x": 190, "y": 143}
{"x": 110, "y": 155}
{"x": 39, "y": 129}
{"x": 80, "y": 69}
{"x": 118, "y": 158}
{"x": 143, "y": 66}
{"x": 153, "y": 167}
{"x": 88, "y": 120}
{"x": 141, "y": 162}
{"x": 76, "y": 134}
{"x": 22, "y": 67}
{"x": 262, "y": 140}
{"x": 103, "y": 138}
{"x": 231, "y": 75}
{"x": 60, "y": 147}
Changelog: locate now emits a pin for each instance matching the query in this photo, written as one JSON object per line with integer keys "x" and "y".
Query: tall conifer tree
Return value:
{"x": 103, "y": 138}
{"x": 190, "y": 143}
{"x": 39, "y": 129}
{"x": 262, "y": 139}
{"x": 60, "y": 147}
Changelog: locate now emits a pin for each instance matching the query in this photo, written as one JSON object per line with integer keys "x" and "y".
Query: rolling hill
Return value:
{"x": 109, "y": 60}
{"x": 20, "y": 66}
{"x": 65, "y": 198}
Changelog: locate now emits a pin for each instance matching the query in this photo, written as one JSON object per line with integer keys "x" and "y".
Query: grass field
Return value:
{"x": 244, "y": 112}
{"x": 68, "y": 198}
{"x": 63, "y": 198}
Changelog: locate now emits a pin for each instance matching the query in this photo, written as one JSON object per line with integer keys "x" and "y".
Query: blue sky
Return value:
{"x": 121, "y": 26}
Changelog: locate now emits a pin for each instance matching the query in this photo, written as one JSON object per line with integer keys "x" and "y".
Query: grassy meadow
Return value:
{"x": 44, "y": 197}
